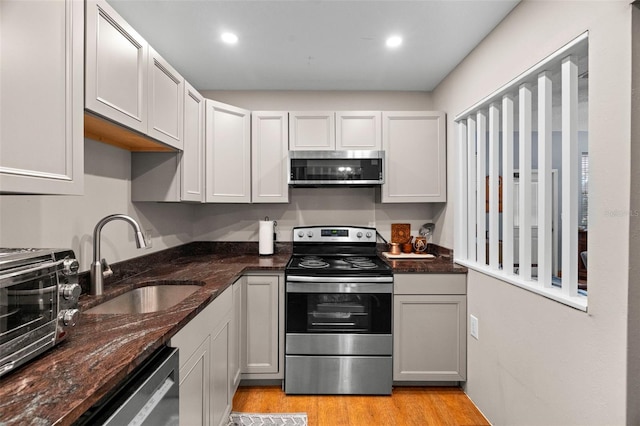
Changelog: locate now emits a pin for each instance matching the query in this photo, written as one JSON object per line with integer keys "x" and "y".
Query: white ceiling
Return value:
{"x": 314, "y": 44}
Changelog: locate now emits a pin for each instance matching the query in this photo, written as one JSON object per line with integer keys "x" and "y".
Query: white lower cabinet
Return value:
{"x": 194, "y": 385}
{"x": 239, "y": 332}
{"x": 205, "y": 350}
{"x": 221, "y": 397}
{"x": 429, "y": 327}
{"x": 236, "y": 328}
{"x": 262, "y": 343}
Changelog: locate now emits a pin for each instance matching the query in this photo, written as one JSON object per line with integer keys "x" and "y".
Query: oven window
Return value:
{"x": 338, "y": 313}
{"x": 27, "y": 306}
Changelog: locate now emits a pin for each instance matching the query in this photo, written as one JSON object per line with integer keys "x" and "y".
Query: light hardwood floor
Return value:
{"x": 407, "y": 406}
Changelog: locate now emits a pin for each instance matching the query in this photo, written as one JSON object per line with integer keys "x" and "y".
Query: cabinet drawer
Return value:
{"x": 430, "y": 284}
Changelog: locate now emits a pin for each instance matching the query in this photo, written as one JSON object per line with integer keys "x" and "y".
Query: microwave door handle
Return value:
{"x": 40, "y": 267}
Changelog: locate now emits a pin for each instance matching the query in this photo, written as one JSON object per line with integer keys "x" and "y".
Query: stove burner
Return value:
{"x": 357, "y": 259}
{"x": 361, "y": 262}
{"x": 364, "y": 265}
{"x": 313, "y": 262}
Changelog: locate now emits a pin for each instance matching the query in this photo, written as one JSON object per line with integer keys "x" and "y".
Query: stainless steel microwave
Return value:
{"x": 331, "y": 168}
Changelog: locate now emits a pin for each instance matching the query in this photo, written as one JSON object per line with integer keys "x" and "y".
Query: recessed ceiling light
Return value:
{"x": 229, "y": 38}
{"x": 394, "y": 41}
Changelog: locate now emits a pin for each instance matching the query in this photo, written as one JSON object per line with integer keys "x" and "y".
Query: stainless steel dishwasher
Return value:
{"x": 149, "y": 396}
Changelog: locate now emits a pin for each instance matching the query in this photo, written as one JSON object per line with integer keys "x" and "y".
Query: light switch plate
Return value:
{"x": 473, "y": 326}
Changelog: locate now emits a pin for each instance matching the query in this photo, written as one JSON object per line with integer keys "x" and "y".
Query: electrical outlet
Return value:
{"x": 473, "y": 326}
{"x": 148, "y": 234}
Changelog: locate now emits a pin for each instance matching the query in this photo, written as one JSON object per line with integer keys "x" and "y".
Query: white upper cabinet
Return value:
{"x": 359, "y": 130}
{"x": 166, "y": 101}
{"x": 329, "y": 131}
{"x": 41, "y": 106}
{"x": 415, "y": 149}
{"x": 227, "y": 153}
{"x": 174, "y": 176}
{"x": 116, "y": 67}
{"x": 192, "y": 158}
{"x": 312, "y": 131}
{"x": 269, "y": 145}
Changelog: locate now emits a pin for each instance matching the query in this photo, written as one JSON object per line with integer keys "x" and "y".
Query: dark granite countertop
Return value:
{"x": 439, "y": 265}
{"x": 60, "y": 385}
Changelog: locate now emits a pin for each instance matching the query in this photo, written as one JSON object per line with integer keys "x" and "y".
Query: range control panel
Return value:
{"x": 344, "y": 234}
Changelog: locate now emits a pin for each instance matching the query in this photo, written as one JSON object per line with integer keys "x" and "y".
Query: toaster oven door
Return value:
{"x": 28, "y": 312}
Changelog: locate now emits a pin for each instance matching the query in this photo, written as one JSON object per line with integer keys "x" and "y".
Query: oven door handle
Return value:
{"x": 349, "y": 287}
{"x": 18, "y": 276}
{"x": 311, "y": 279}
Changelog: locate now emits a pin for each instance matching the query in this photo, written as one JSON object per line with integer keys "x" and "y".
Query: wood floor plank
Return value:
{"x": 407, "y": 406}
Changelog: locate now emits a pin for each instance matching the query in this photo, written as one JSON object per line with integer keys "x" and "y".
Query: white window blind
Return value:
{"x": 520, "y": 202}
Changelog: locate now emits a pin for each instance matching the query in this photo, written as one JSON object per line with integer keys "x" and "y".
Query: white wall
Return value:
{"x": 307, "y": 206}
{"x": 68, "y": 221}
{"x": 538, "y": 362}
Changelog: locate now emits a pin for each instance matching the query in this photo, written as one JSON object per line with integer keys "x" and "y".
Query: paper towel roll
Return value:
{"x": 265, "y": 246}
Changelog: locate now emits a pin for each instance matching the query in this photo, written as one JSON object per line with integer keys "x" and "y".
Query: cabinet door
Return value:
{"x": 194, "y": 386}
{"x": 359, "y": 130}
{"x": 236, "y": 324}
{"x": 228, "y": 153}
{"x": 269, "y": 146}
{"x": 260, "y": 332}
{"x": 192, "y": 157}
{"x": 116, "y": 67}
{"x": 41, "y": 106}
{"x": 174, "y": 176}
{"x": 415, "y": 148}
{"x": 166, "y": 101}
{"x": 221, "y": 398}
{"x": 312, "y": 131}
{"x": 429, "y": 335}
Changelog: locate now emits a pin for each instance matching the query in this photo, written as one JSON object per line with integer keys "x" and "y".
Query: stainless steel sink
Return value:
{"x": 147, "y": 299}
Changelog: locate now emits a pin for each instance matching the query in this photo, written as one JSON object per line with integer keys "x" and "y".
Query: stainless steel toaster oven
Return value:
{"x": 39, "y": 294}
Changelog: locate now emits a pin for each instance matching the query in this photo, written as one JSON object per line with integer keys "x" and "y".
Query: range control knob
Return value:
{"x": 310, "y": 234}
{"x": 368, "y": 234}
{"x": 70, "y": 317}
{"x": 359, "y": 235}
{"x": 70, "y": 291}
{"x": 300, "y": 234}
{"x": 70, "y": 266}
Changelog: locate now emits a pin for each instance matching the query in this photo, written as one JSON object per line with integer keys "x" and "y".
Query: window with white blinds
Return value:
{"x": 522, "y": 193}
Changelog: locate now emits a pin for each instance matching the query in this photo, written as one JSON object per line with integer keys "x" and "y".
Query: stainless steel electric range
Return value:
{"x": 338, "y": 313}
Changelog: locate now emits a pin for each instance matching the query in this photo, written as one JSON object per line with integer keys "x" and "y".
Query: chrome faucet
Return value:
{"x": 100, "y": 268}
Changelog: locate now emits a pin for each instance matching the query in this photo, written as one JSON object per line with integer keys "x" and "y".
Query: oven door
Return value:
{"x": 28, "y": 312}
{"x": 339, "y": 318}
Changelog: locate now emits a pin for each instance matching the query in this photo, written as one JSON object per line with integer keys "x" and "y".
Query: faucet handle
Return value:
{"x": 106, "y": 269}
